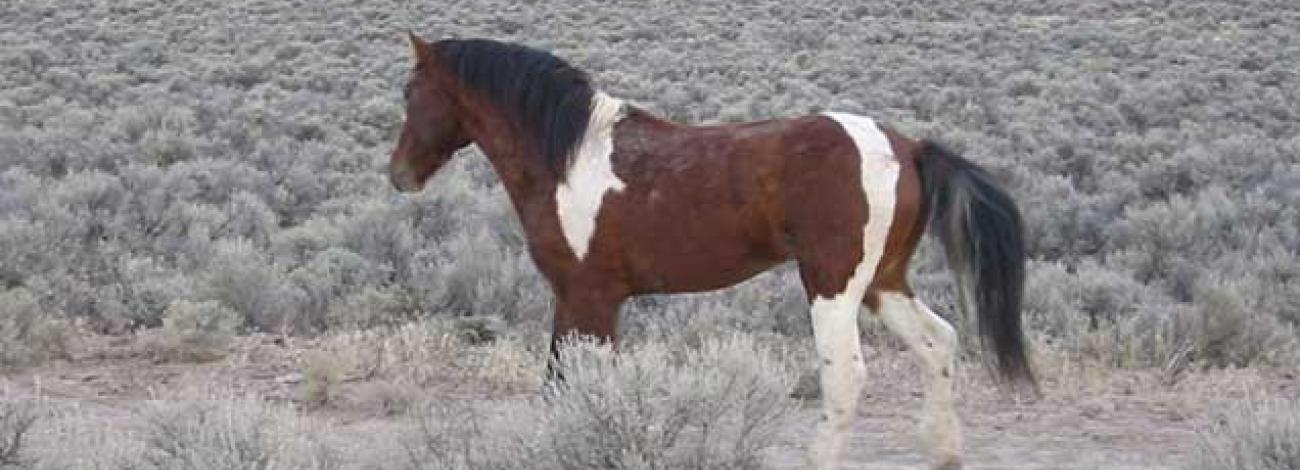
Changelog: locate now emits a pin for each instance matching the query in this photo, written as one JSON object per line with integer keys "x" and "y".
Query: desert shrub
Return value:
{"x": 197, "y": 331}
{"x": 653, "y": 407}
{"x": 715, "y": 407}
{"x": 122, "y": 293}
{"x": 147, "y": 286}
{"x": 1269, "y": 284}
{"x": 1218, "y": 330}
{"x": 211, "y": 435}
{"x": 295, "y": 246}
{"x": 1092, "y": 293}
{"x": 467, "y": 275}
{"x": 1165, "y": 153}
{"x": 1230, "y": 333}
{"x": 73, "y": 435}
{"x": 455, "y": 436}
{"x": 249, "y": 217}
{"x": 1252, "y": 436}
{"x": 29, "y": 334}
{"x": 228, "y": 434}
{"x": 322, "y": 372}
{"x": 331, "y": 275}
{"x": 382, "y": 233}
{"x": 240, "y": 276}
{"x": 370, "y": 307}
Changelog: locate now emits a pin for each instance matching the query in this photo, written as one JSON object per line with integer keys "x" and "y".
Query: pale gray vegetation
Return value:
{"x": 1259, "y": 435}
{"x": 720, "y": 406}
{"x": 233, "y": 153}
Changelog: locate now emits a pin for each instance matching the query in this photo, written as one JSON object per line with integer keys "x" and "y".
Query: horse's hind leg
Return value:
{"x": 934, "y": 343}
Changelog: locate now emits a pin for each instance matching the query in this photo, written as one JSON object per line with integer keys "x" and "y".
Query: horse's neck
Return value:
{"x": 525, "y": 176}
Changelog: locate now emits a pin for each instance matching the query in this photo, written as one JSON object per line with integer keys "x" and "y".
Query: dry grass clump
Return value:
{"x": 1262, "y": 435}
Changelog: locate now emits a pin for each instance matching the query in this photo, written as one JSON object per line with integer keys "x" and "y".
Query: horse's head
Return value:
{"x": 433, "y": 130}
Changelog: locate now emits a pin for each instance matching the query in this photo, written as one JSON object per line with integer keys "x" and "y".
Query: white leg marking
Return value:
{"x": 578, "y": 197}
{"x": 934, "y": 342}
{"x": 835, "y": 326}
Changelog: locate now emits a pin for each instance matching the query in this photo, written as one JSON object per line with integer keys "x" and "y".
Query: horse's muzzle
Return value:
{"x": 404, "y": 180}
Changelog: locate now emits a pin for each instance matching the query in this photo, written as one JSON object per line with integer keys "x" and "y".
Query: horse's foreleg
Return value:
{"x": 587, "y": 315}
{"x": 934, "y": 342}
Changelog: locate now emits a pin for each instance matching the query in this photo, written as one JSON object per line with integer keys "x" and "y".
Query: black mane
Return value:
{"x": 544, "y": 97}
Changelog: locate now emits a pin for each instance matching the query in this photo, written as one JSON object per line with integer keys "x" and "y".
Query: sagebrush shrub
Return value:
{"x": 715, "y": 407}
{"x": 224, "y": 433}
{"x": 322, "y": 372}
{"x": 197, "y": 331}
{"x": 29, "y": 334}
{"x": 1252, "y": 436}
{"x": 1169, "y": 154}
{"x": 240, "y": 276}
{"x": 1230, "y": 333}
{"x": 718, "y": 406}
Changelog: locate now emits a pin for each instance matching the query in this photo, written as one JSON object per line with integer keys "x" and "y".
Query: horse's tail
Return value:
{"x": 980, "y": 228}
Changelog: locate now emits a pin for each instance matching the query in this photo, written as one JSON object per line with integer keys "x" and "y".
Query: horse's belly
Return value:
{"x": 699, "y": 254}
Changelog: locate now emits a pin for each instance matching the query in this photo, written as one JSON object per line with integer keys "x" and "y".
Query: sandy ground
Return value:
{"x": 1088, "y": 418}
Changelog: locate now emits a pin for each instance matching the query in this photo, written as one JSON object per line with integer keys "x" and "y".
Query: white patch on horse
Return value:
{"x": 834, "y": 319}
{"x": 590, "y": 176}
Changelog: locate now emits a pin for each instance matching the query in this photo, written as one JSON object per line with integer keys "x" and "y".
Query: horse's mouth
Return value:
{"x": 405, "y": 181}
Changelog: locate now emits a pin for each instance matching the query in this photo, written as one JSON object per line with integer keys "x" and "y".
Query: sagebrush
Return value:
{"x": 719, "y": 406}
{"x": 1253, "y": 436}
{"x": 1153, "y": 149}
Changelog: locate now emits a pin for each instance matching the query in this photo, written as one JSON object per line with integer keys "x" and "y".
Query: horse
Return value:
{"x": 616, "y": 202}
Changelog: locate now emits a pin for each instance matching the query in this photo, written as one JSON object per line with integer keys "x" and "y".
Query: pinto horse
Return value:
{"x": 617, "y": 202}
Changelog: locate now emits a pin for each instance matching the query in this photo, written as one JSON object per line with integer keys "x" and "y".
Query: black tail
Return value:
{"x": 979, "y": 226}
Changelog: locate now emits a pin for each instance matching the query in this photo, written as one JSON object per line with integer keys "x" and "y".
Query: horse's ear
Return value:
{"x": 419, "y": 48}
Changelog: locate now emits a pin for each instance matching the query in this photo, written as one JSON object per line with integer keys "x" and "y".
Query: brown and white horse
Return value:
{"x": 616, "y": 202}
